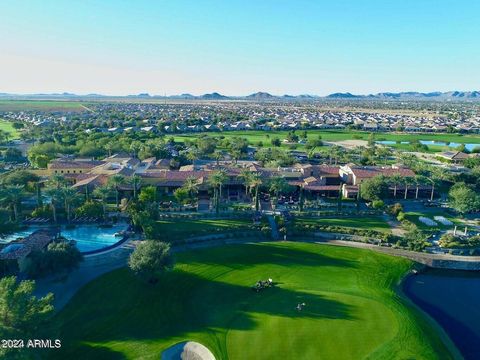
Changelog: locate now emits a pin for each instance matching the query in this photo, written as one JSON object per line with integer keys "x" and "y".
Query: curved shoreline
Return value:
{"x": 441, "y": 331}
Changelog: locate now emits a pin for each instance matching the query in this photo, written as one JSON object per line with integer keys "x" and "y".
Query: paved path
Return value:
{"x": 90, "y": 268}
{"x": 395, "y": 225}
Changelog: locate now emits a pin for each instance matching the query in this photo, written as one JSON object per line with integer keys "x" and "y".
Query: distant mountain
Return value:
{"x": 142, "y": 95}
{"x": 343, "y": 96}
{"x": 263, "y": 96}
{"x": 260, "y": 96}
{"x": 410, "y": 95}
{"x": 213, "y": 96}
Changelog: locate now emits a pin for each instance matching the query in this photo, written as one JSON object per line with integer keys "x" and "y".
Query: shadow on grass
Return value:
{"x": 119, "y": 307}
{"x": 247, "y": 255}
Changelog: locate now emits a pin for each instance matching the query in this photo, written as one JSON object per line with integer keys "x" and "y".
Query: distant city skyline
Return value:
{"x": 238, "y": 47}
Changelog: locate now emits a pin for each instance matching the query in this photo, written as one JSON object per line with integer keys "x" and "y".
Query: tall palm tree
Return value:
{"x": 12, "y": 196}
{"x": 55, "y": 195}
{"x": 277, "y": 186}
{"x": 246, "y": 175}
{"x": 135, "y": 148}
{"x": 135, "y": 181}
{"x": 395, "y": 180}
{"x": 192, "y": 155}
{"x": 216, "y": 181}
{"x": 109, "y": 148}
{"x": 103, "y": 193}
{"x": 217, "y": 155}
{"x": 38, "y": 193}
{"x": 115, "y": 181}
{"x": 255, "y": 183}
{"x": 191, "y": 186}
{"x": 407, "y": 181}
{"x": 70, "y": 198}
{"x": 57, "y": 181}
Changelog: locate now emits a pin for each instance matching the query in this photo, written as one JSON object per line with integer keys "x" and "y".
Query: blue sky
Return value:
{"x": 238, "y": 47}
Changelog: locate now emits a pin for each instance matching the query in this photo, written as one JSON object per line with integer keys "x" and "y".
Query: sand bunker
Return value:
{"x": 187, "y": 350}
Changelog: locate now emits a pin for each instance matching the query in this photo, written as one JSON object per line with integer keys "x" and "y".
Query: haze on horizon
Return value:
{"x": 238, "y": 47}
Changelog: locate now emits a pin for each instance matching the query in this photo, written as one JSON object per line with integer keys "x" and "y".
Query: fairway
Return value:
{"x": 254, "y": 136}
{"x": 8, "y": 127}
{"x": 351, "y": 308}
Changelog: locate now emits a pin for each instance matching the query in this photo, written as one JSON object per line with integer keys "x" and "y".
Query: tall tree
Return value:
{"x": 21, "y": 313}
{"x": 55, "y": 195}
{"x": 216, "y": 180}
{"x": 12, "y": 196}
{"x": 115, "y": 182}
{"x": 103, "y": 193}
{"x": 71, "y": 197}
{"x": 150, "y": 259}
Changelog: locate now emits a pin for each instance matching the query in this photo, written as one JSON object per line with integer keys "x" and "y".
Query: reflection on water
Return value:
{"x": 452, "y": 299}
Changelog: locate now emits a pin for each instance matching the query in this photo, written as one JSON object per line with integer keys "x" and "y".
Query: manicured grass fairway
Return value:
{"x": 351, "y": 312}
{"x": 366, "y": 223}
{"x": 333, "y": 135}
{"x": 7, "y": 127}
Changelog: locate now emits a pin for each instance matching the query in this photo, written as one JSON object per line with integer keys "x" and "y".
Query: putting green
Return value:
{"x": 351, "y": 311}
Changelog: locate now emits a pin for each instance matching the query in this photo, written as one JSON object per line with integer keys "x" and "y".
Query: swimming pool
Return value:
{"x": 88, "y": 237}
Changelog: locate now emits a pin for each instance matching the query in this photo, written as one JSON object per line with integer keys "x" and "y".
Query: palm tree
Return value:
{"x": 70, "y": 197}
{"x": 255, "y": 183}
{"x": 55, "y": 196}
{"x": 419, "y": 179}
{"x": 12, "y": 196}
{"x": 235, "y": 154}
{"x": 135, "y": 181}
{"x": 191, "y": 186}
{"x": 109, "y": 148}
{"x": 103, "y": 192}
{"x": 216, "y": 181}
{"x": 38, "y": 191}
{"x": 115, "y": 181}
{"x": 277, "y": 186}
{"x": 57, "y": 181}
{"x": 407, "y": 181}
{"x": 384, "y": 152}
{"x": 135, "y": 148}
{"x": 217, "y": 155}
{"x": 193, "y": 155}
{"x": 246, "y": 176}
{"x": 395, "y": 180}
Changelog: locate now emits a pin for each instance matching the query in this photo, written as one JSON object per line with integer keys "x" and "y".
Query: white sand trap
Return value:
{"x": 427, "y": 221}
{"x": 187, "y": 350}
{"x": 349, "y": 144}
{"x": 443, "y": 220}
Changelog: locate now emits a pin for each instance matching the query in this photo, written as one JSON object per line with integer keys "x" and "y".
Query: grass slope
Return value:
{"x": 352, "y": 309}
{"x": 178, "y": 229}
{"x": 367, "y": 223}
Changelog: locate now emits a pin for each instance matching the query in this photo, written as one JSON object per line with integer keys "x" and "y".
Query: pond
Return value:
{"x": 88, "y": 237}
{"x": 451, "y": 298}
{"x": 452, "y": 145}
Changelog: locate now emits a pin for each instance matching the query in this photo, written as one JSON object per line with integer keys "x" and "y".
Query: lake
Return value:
{"x": 452, "y": 298}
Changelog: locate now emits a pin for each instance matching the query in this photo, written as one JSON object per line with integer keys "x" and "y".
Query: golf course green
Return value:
{"x": 352, "y": 309}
